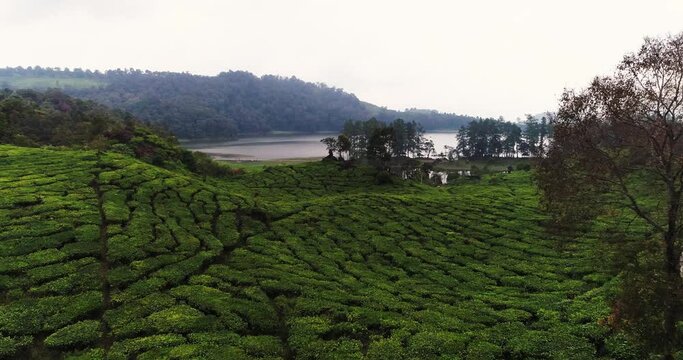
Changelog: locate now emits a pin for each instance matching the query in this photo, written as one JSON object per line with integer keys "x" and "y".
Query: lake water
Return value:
{"x": 278, "y": 147}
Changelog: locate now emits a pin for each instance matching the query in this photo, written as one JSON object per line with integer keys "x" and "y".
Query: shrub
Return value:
{"x": 262, "y": 346}
{"x": 121, "y": 349}
{"x": 550, "y": 344}
{"x": 81, "y": 333}
{"x": 383, "y": 178}
{"x": 386, "y": 349}
{"x": 432, "y": 345}
{"x": 524, "y": 167}
{"x": 482, "y": 350}
{"x": 123, "y": 149}
{"x": 182, "y": 319}
{"x": 619, "y": 346}
{"x": 202, "y": 164}
{"x": 10, "y": 345}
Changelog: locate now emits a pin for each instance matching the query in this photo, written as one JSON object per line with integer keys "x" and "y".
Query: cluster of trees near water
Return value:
{"x": 391, "y": 148}
{"x": 223, "y": 106}
{"x": 376, "y": 140}
{"x": 487, "y": 138}
{"x": 480, "y": 139}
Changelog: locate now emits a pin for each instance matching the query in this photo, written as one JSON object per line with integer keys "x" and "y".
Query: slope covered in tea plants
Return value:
{"x": 104, "y": 256}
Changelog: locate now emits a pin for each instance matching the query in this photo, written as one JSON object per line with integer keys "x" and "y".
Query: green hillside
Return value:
{"x": 105, "y": 256}
{"x": 228, "y": 105}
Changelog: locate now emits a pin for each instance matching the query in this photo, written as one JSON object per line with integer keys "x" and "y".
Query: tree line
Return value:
{"x": 230, "y": 104}
{"x": 488, "y": 138}
{"x": 376, "y": 140}
{"x": 480, "y": 139}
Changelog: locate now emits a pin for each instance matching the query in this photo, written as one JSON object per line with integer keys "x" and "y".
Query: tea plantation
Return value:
{"x": 103, "y": 256}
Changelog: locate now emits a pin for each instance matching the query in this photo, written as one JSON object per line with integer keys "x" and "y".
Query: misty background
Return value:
{"x": 484, "y": 58}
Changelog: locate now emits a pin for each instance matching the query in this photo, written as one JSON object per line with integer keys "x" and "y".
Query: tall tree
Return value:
{"x": 513, "y": 137}
{"x": 403, "y": 139}
{"x": 379, "y": 144}
{"x": 486, "y": 138}
{"x": 343, "y": 145}
{"x": 532, "y": 132}
{"x": 622, "y": 138}
{"x": 428, "y": 148}
{"x": 331, "y": 144}
{"x": 542, "y": 136}
{"x": 399, "y": 139}
{"x": 462, "y": 148}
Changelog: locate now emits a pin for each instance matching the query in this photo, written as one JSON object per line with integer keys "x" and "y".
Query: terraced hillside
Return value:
{"x": 103, "y": 256}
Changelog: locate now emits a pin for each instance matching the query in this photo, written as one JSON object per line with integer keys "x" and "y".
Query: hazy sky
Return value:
{"x": 485, "y": 58}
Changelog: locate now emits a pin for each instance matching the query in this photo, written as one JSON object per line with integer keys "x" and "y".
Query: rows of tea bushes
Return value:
{"x": 49, "y": 247}
{"x": 460, "y": 272}
{"x": 103, "y": 256}
{"x": 93, "y": 245}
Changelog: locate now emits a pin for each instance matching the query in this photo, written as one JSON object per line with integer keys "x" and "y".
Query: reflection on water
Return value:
{"x": 264, "y": 147}
{"x": 274, "y": 147}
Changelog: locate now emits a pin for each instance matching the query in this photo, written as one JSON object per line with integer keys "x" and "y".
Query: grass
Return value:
{"x": 103, "y": 256}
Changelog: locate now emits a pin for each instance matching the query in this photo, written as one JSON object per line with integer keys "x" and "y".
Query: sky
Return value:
{"x": 484, "y": 58}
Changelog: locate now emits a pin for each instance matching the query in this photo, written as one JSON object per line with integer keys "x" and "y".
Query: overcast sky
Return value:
{"x": 484, "y": 58}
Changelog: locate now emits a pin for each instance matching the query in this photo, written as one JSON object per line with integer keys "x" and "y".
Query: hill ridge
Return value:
{"x": 227, "y": 105}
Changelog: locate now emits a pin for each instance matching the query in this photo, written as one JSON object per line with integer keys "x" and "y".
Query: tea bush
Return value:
{"x": 102, "y": 255}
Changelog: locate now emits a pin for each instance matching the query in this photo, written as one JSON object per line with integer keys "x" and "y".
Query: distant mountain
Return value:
{"x": 227, "y": 105}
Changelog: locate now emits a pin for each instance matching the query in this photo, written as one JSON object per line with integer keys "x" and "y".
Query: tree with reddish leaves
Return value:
{"x": 621, "y": 141}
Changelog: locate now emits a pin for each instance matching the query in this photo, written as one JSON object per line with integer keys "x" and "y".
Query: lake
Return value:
{"x": 291, "y": 146}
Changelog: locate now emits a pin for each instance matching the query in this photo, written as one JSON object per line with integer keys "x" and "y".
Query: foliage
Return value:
{"x": 487, "y": 138}
{"x": 226, "y": 105}
{"x": 617, "y": 147}
{"x": 30, "y": 118}
{"x": 372, "y": 139}
{"x": 306, "y": 261}
{"x": 81, "y": 333}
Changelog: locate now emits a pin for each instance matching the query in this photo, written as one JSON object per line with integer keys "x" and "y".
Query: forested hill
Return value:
{"x": 32, "y": 119}
{"x": 226, "y": 105}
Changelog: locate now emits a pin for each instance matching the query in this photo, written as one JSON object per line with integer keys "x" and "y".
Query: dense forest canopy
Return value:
{"x": 226, "y": 105}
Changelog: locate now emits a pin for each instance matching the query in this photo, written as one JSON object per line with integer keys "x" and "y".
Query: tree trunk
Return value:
{"x": 673, "y": 279}
{"x": 673, "y": 272}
